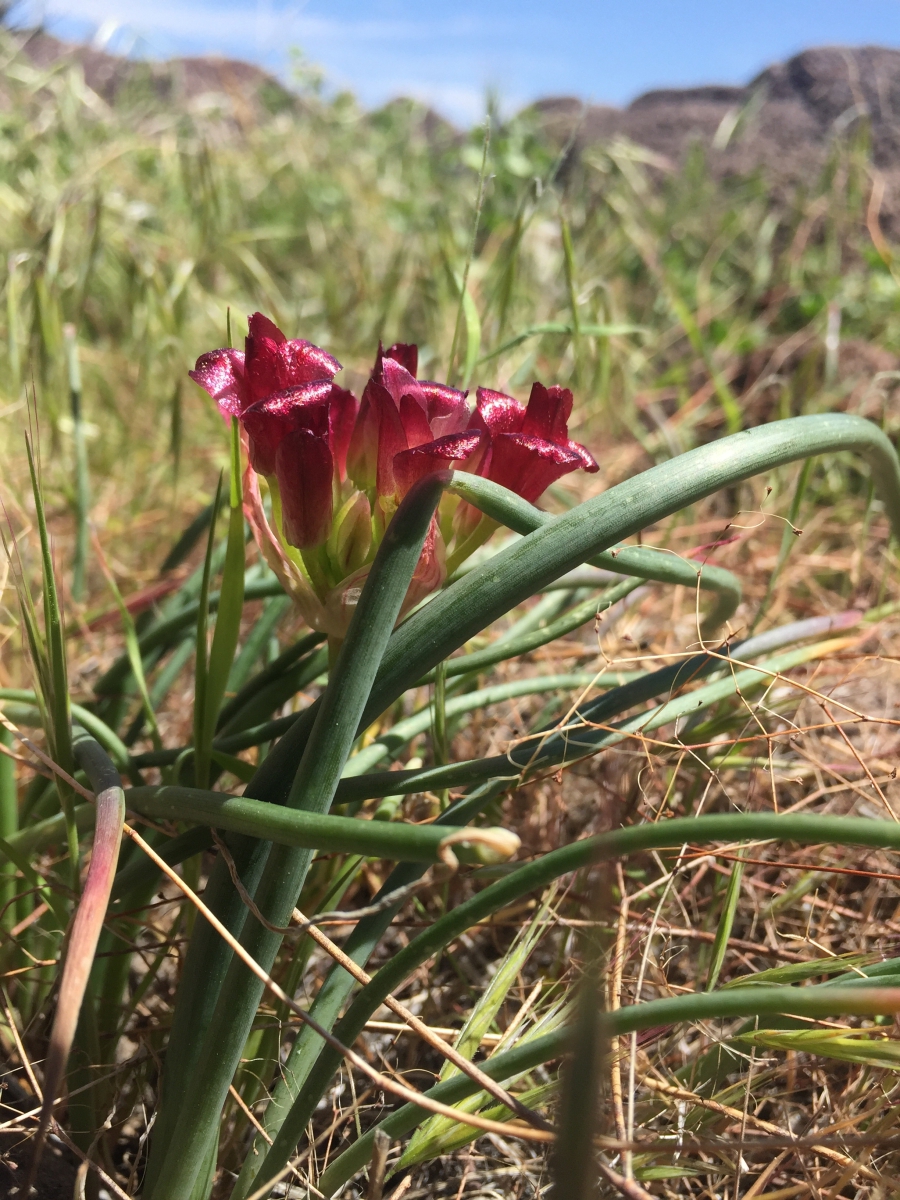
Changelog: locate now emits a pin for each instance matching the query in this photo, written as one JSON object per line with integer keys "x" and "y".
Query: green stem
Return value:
{"x": 82, "y": 478}
{"x": 317, "y": 776}
{"x": 395, "y": 840}
{"x": 644, "y": 562}
{"x": 501, "y": 651}
{"x": 728, "y": 827}
{"x": 484, "y": 595}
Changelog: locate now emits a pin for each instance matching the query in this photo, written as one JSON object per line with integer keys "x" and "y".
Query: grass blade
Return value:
{"x": 228, "y": 618}
{"x": 82, "y": 476}
{"x": 49, "y": 656}
{"x": 203, "y": 739}
{"x": 726, "y": 923}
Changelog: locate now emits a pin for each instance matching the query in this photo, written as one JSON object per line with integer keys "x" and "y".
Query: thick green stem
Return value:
{"x": 512, "y": 576}
{"x": 300, "y": 829}
{"x": 644, "y": 562}
{"x": 313, "y": 787}
{"x": 730, "y": 827}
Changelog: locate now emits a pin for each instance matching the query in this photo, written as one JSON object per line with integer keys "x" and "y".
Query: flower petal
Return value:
{"x": 304, "y": 362}
{"x": 496, "y": 413}
{"x": 342, "y": 410}
{"x": 304, "y": 467}
{"x": 391, "y": 438}
{"x": 273, "y": 363}
{"x": 411, "y": 465}
{"x": 221, "y": 374}
{"x": 414, "y": 420}
{"x": 445, "y": 407}
{"x": 587, "y": 461}
{"x": 548, "y": 412}
{"x": 528, "y": 465}
{"x": 261, "y": 327}
{"x": 405, "y": 353}
{"x": 431, "y": 569}
{"x": 399, "y": 383}
{"x": 293, "y": 581}
{"x": 268, "y": 421}
{"x": 362, "y": 453}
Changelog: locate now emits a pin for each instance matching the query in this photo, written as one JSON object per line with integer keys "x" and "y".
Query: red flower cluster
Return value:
{"x": 321, "y": 449}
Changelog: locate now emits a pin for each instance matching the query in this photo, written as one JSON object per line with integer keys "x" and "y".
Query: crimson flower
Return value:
{"x": 528, "y": 448}
{"x": 406, "y": 428}
{"x": 269, "y": 364}
{"x": 298, "y": 422}
{"x": 337, "y": 468}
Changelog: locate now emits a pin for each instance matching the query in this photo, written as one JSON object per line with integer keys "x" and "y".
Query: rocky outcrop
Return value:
{"x": 244, "y": 91}
{"x": 783, "y": 121}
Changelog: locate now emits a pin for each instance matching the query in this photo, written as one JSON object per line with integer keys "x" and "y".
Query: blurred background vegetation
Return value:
{"x": 677, "y": 302}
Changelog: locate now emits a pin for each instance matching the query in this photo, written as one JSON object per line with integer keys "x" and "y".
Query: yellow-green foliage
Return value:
{"x": 141, "y": 224}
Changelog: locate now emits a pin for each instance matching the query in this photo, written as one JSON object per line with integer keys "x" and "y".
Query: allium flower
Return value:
{"x": 336, "y": 469}
{"x": 270, "y": 364}
{"x": 525, "y": 449}
{"x": 406, "y": 428}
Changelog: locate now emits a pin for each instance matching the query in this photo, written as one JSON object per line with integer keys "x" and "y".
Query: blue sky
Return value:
{"x": 447, "y": 52}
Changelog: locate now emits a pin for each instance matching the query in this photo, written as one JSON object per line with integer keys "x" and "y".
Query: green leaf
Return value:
{"x": 798, "y": 972}
{"x": 231, "y": 596}
{"x": 202, "y": 736}
{"x": 132, "y": 649}
{"x": 504, "y": 1067}
{"x": 316, "y": 779}
{"x": 726, "y": 923}
{"x": 644, "y": 562}
{"x": 428, "y": 1138}
{"x": 846, "y": 1045}
{"x": 49, "y": 656}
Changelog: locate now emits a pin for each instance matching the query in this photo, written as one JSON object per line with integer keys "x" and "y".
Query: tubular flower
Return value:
{"x": 524, "y": 449}
{"x": 336, "y": 469}
{"x": 406, "y": 428}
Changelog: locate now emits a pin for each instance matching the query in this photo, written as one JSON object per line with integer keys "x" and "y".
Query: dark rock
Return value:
{"x": 244, "y": 91}
{"x": 784, "y": 120}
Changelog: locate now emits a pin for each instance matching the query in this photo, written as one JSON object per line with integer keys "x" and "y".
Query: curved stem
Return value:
{"x": 512, "y": 576}
{"x": 86, "y": 924}
{"x": 731, "y": 827}
{"x": 397, "y": 840}
{"x": 815, "y": 1001}
{"x": 644, "y": 562}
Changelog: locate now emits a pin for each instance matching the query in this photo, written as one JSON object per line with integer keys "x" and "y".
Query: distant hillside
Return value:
{"x": 246, "y": 89}
{"x": 782, "y": 121}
